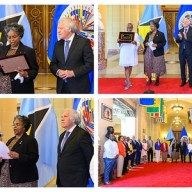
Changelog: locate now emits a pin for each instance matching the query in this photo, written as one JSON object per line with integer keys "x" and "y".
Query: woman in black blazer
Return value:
{"x": 14, "y": 34}
{"x": 175, "y": 151}
{"x": 154, "y": 61}
{"x": 21, "y": 169}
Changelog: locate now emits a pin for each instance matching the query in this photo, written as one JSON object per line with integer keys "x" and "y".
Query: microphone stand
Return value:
{"x": 149, "y": 91}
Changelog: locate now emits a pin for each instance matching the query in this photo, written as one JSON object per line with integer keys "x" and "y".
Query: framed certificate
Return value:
{"x": 126, "y": 37}
{"x": 12, "y": 63}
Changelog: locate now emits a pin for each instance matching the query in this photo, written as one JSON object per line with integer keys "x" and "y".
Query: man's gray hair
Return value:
{"x": 74, "y": 116}
{"x": 71, "y": 24}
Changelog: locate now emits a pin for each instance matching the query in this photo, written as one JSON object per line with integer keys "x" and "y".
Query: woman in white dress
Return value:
{"x": 128, "y": 55}
{"x": 144, "y": 151}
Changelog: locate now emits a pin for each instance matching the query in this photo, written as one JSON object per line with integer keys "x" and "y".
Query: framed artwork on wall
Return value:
{"x": 106, "y": 112}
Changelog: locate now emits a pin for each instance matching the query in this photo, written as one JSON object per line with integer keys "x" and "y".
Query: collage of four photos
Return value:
{"x": 96, "y": 95}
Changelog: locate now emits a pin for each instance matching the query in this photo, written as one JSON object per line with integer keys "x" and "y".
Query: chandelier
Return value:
{"x": 177, "y": 107}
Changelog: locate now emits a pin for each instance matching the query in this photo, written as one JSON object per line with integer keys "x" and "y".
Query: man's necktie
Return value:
{"x": 66, "y": 51}
{"x": 185, "y": 31}
{"x": 64, "y": 139}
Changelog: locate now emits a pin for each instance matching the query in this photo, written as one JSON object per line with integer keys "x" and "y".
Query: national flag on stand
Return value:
{"x": 45, "y": 130}
{"x": 14, "y": 14}
{"x": 185, "y": 136}
{"x": 86, "y": 109}
{"x": 147, "y": 101}
{"x": 85, "y": 24}
{"x": 151, "y": 13}
{"x": 170, "y": 137}
{"x": 185, "y": 11}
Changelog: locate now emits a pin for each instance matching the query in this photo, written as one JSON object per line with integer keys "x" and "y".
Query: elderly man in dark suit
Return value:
{"x": 72, "y": 59}
{"x": 75, "y": 151}
{"x": 185, "y": 51}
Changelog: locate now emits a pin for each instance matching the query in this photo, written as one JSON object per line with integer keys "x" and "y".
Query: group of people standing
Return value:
{"x": 154, "y": 61}
{"x": 177, "y": 147}
{"x": 123, "y": 154}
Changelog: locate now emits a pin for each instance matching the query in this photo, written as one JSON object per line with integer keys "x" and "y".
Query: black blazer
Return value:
{"x": 80, "y": 60}
{"x": 24, "y": 169}
{"x": 73, "y": 161}
{"x": 27, "y": 86}
{"x": 183, "y": 148}
{"x": 187, "y": 43}
{"x": 159, "y": 39}
{"x": 175, "y": 147}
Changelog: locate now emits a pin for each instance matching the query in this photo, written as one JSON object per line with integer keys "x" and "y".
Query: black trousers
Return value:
{"x": 125, "y": 164}
{"x": 190, "y": 155}
{"x": 185, "y": 58}
{"x": 65, "y": 88}
{"x": 138, "y": 157}
{"x": 183, "y": 156}
{"x": 150, "y": 155}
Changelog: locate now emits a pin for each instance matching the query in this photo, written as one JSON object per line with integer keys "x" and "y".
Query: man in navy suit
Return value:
{"x": 72, "y": 59}
{"x": 75, "y": 151}
{"x": 185, "y": 51}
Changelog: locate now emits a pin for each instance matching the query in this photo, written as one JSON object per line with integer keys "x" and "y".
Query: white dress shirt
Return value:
{"x": 70, "y": 39}
{"x": 110, "y": 149}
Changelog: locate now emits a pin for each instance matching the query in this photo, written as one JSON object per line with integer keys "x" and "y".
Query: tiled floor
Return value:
{"x": 114, "y": 70}
{"x": 45, "y": 84}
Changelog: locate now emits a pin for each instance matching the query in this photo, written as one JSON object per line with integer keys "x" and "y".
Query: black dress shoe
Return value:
{"x": 157, "y": 82}
{"x": 182, "y": 83}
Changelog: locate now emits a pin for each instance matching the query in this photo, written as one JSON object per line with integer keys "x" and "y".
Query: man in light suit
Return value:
{"x": 185, "y": 51}
{"x": 72, "y": 59}
{"x": 75, "y": 151}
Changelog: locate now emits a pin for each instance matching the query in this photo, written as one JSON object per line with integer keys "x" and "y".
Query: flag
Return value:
{"x": 183, "y": 133}
{"x": 157, "y": 109}
{"x": 185, "y": 136}
{"x": 85, "y": 23}
{"x": 146, "y": 101}
{"x": 86, "y": 109}
{"x": 185, "y": 11}
{"x": 14, "y": 14}
{"x": 45, "y": 130}
{"x": 151, "y": 13}
{"x": 170, "y": 137}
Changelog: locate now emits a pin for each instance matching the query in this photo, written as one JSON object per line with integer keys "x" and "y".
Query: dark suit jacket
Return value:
{"x": 187, "y": 43}
{"x": 80, "y": 60}
{"x": 27, "y": 86}
{"x": 24, "y": 169}
{"x": 160, "y": 40}
{"x": 175, "y": 147}
{"x": 183, "y": 147}
{"x": 73, "y": 161}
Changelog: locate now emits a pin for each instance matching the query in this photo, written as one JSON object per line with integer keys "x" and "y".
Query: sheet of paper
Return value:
{"x": 4, "y": 150}
{"x": 151, "y": 47}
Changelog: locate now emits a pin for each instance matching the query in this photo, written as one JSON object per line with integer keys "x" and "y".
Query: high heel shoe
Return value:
{"x": 149, "y": 81}
{"x": 157, "y": 81}
{"x": 126, "y": 82}
{"x": 127, "y": 86}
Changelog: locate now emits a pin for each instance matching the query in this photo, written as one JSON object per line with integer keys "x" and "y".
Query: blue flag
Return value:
{"x": 170, "y": 137}
{"x": 185, "y": 11}
{"x": 184, "y": 135}
{"x": 86, "y": 109}
{"x": 14, "y": 14}
{"x": 147, "y": 101}
{"x": 45, "y": 130}
{"x": 151, "y": 13}
{"x": 84, "y": 18}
